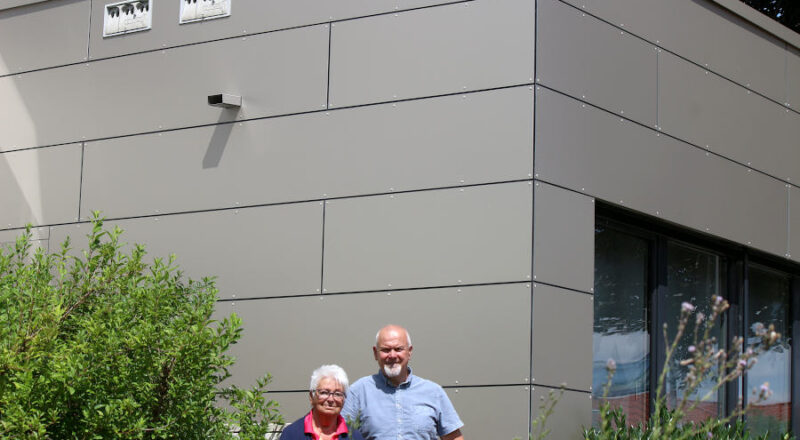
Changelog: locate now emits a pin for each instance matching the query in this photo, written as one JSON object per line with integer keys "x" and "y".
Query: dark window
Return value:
{"x": 644, "y": 271}
{"x": 693, "y": 276}
{"x": 769, "y": 299}
{"x": 621, "y": 330}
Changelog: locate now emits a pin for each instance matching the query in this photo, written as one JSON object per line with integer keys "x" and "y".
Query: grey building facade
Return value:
{"x": 450, "y": 166}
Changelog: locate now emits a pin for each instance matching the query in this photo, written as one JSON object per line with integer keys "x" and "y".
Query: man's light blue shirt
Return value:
{"x": 417, "y": 409}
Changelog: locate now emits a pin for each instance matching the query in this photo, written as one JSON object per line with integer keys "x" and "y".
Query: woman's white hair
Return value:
{"x": 334, "y": 372}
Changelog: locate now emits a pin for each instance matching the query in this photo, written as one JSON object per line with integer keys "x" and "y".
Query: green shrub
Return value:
{"x": 106, "y": 346}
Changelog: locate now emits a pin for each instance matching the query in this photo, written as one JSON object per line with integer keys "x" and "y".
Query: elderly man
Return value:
{"x": 395, "y": 404}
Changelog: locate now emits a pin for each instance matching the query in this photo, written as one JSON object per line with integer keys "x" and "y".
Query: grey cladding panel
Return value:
{"x": 10, "y": 236}
{"x": 793, "y": 78}
{"x": 492, "y": 412}
{"x": 247, "y": 17}
{"x": 589, "y": 59}
{"x": 39, "y": 239}
{"x": 563, "y": 239}
{"x": 40, "y": 186}
{"x": 42, "y": 35}
{"x": 285, "y": 72}
{"x": 482, "y": 137}
{"x": 590, "y": 151}
{"x": 704, "y": 33}
{"x": 432, "y": 238}
{"x": 707, "y": 110}
{"x": 465, "y": 46}
{"x": 441, "y": 322}
{"x": 255, "y": 252}
{"x": 294, "y": 405}
{"x": 571, "y": 414}
{"x": 8, "y": 247}
{"x": 562, "y": 348}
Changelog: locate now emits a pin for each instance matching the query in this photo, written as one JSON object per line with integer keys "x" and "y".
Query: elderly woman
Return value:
{"x": 327, "y": 392}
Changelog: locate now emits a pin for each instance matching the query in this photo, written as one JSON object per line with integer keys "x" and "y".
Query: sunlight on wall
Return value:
{"x": 19, "y": 171}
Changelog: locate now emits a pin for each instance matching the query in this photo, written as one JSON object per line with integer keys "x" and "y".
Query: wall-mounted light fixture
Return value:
{"x": 225, "y": 100}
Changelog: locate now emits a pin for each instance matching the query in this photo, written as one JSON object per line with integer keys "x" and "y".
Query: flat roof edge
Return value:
{"x": 762, "y": 21}
{"x": 736, "y": 6}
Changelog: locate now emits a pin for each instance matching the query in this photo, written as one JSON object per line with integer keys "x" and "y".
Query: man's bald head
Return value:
{"x": 390, "y": 329}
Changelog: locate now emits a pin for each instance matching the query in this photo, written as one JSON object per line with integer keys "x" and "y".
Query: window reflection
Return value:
{"x": 620, "y": 323}
{"x": 630, "y": 262}
{"x": 769, "y": 304}
{"x": 693, "y": 276}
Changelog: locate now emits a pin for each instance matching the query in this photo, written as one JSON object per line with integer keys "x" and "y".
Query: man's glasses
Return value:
{"x": 324, "y": 394}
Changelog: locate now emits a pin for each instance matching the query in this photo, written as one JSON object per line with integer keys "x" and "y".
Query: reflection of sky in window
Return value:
{"x": 693, "y": 276}
{"x": 772, "y": 367}
{"x": 769, "y": 304}
{"x": 620, "y": 305}
{"x": 630, "y": 351}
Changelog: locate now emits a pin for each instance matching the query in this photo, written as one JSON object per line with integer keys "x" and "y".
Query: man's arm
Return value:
{"x": 455, "y": 435}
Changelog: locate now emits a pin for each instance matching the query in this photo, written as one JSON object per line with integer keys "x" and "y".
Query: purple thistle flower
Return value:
{"x": 687, "y": 307}
{"x": 692, "y": 349}
{"x": 611, "y": 365}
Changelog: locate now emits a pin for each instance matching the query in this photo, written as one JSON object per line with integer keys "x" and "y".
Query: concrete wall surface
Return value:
{"x": 430, "y": 163}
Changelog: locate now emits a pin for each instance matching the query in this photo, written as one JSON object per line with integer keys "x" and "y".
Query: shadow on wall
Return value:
{"x": 16, "y": 199}
{"x": 32, "y": 182}
{"x": 219, "y": 139}
{"x": 46, "y": 108}
{"x": 20, "y": 175}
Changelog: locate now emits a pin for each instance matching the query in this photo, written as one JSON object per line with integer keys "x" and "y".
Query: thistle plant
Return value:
{"x": 705, "y": 362}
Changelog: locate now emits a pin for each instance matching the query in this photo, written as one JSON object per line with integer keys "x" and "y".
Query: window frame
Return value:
{"x": 737, "y": 259}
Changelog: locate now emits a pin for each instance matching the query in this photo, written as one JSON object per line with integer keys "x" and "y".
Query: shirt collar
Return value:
{"x": 308, "y": 426}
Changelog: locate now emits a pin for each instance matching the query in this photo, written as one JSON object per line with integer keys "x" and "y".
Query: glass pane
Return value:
{"x": 693, "y": 276}
{"x": 620, "y": 323}
{"x": 769, "y": 304}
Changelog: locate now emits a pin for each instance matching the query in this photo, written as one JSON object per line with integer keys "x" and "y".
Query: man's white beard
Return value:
{"x": 392, "y": 370}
